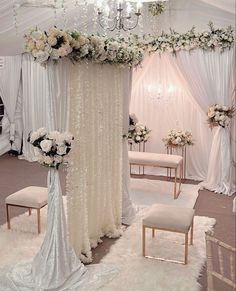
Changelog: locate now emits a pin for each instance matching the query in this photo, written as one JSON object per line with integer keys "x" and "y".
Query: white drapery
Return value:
{"x": 94, "y": 180}
{"x": 44, "y": 98}
{"x": 208, "y": 75}
{"x": 160, "y": 101}
{"x": 10, "y": 77}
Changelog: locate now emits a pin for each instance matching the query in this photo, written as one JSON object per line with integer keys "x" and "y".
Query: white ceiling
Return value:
{"x": 180, "y": 15}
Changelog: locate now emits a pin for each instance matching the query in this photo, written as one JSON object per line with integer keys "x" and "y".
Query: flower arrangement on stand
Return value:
{"x": 219, "y": 115}
{"x": 51, "y": 148}
{"x": 178, "y": 138}
{"x": 137, "y": 132}
{"x": 156, "y": 8}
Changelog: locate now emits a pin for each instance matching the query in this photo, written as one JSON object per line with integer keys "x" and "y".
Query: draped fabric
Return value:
{"x": 10, "y": 77}
{"x": 4, "y": 136}
{"x": 44, "y": 98}
{"x": 128, "y": 209}
{"x": 161, "y": 101}
{"x": 58, "y": 89}
{"x": 208, "y": 75}
{"x": 94, "y": 180}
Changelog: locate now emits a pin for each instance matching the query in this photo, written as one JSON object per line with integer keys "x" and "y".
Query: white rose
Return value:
{"x": 68, "y": 137}
{"x": 46, "y": 145}
{"x": 225, "y": 108}
{"x": 34, "y": 136}
{"x": 37, "y": 35}
{"x": 40, "y": 45}
{"x": 42, "y": 131}
{"x": 211, "y": 114}
{"x": 41, "y": 56}
{"x": 61, "y": 149}
{"x": 138, "y": 138}
{"x": 52, "y": 40}
{"x": 53, "y": 134}
{"x": 217, "y": 117}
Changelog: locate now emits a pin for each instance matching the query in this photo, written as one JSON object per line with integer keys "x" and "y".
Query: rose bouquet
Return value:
{"x": 137, "y": 132}
{"x": 52, "y": 147}
{"x": 178, "y": 138}
{"x": 219, "y": 115}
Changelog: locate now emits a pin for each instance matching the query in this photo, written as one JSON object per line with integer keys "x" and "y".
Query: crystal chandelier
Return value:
{"x": 122, "y": 18}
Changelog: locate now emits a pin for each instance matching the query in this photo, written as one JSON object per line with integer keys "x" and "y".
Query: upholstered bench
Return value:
{"x": 30, "y": 197}
{"x": 160, "y": 160}
{"x": 169, "y": 218}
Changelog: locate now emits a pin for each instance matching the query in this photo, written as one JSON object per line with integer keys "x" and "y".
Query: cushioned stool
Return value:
{"x": 31, "y": 197}
{"x": 169, "y": 218}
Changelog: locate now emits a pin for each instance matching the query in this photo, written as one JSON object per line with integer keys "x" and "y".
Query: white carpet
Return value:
{"x": 142, "y": 274}
{"x": 137, "y": 273}
{"x": 147, "y": 192}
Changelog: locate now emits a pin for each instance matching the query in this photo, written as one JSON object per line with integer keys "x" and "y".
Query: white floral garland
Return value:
{"x": 56, "y": 43}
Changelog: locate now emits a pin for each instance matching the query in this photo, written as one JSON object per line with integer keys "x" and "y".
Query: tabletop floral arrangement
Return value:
{"x": 219, "y": 115}
{"x": 178, "y": 138}
{"x": 51, "y": 148}
{"x": 137, "y": 132}
{"x": 156, "y": 8}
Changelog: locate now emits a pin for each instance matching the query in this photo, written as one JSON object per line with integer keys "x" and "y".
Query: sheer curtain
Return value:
{"x": 161, "y": 101}
{"x": 44, "y": 98}
{"x": 10, "y": 77}
{"x": 208, "y": 75}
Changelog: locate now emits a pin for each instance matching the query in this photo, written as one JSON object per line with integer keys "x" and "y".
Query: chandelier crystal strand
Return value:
{"x": 63, "y": 6}
{"x": 76, "y": 16}
{"x": 84, "y": 18}
{"x": 15, "y": 20}
{"x": 55, "y": 12}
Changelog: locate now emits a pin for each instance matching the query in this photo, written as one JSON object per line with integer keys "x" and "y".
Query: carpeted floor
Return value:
{"x": 16, "y": 174}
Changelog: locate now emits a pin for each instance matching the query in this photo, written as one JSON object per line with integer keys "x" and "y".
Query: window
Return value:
{"x": 1, "y": 114}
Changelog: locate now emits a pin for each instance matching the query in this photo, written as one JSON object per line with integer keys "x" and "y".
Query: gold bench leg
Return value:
{"x": 153, "y": 232}
{"x": 38, "y": 217}
{"x": 29, "y": 211}
{"x": 143, "y": 240}
{"x": 175, "y": 185}
{"x": 8, "y": 217}
{"x": 191, "y": 235}
{"x": 186, "y": 249}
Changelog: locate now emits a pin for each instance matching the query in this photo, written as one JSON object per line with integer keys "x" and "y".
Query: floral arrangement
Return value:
{"x": 219, "y": 115}
{"x": 137, "y": 132}
{"x": 156, "y": 8}
{"x": 178, "y": 138}
{"x": 51, "y": 147}
{"x": 222, "y": 38}
{"x": 56, "y": 43}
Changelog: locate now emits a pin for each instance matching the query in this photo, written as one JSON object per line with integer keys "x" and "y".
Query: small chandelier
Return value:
{"x": 121, "y": 18}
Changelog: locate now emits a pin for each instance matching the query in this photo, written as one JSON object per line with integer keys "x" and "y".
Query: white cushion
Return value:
{"x": 155, "y": 160}
{"x": 35, "y": 197}
{"x": 168, "y": 217}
